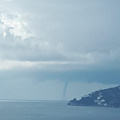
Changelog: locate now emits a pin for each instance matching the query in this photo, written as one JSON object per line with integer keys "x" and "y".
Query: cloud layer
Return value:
{"x": 66, "y": 41}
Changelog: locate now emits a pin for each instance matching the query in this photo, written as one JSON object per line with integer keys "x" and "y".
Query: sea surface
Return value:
{"x": 54, "y": 110}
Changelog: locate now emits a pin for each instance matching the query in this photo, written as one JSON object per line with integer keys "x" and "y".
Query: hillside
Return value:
{"x": 106, "y": 98}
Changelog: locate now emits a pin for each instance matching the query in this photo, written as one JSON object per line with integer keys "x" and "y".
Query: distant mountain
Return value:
{"x": 106, "y": 98}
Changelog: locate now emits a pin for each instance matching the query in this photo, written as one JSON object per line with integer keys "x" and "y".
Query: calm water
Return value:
{"x": 54, "y": 110}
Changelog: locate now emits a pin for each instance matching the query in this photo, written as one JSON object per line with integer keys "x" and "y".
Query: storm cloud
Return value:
{"x": 62, "y": 41}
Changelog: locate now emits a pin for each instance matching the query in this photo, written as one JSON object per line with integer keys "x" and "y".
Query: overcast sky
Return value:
{"x": 58, "y": 49}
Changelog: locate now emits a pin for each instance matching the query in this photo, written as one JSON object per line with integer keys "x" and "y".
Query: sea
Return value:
{"x": 54, "y": 110}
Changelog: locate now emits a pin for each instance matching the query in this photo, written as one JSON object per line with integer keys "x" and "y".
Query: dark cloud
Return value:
{"x": 88, "y": 76}
{"x": 64, "y": 40}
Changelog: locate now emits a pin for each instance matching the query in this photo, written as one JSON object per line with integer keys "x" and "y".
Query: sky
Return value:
{"x": 58, "y": 49}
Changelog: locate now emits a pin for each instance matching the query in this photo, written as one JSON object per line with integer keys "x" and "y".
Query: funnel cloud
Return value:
{"x": 65, "y": 89}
